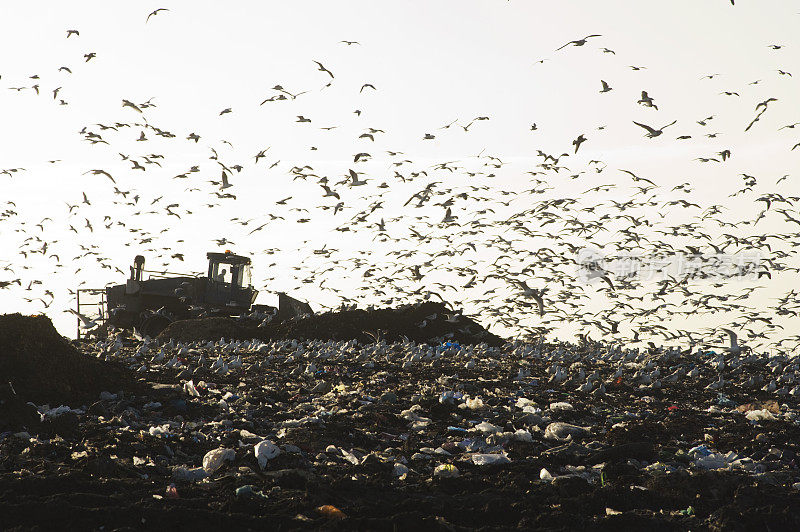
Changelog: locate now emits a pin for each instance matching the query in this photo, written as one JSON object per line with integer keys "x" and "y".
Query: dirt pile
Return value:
{"x": 428, "y": 322}
{"x": 206, "y": 329}
{"x": 39, "y": 365}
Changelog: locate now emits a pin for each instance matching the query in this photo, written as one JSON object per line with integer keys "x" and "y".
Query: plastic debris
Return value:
{"x": 760, "y": 415}
{"x": 189, "y": 475}
{"x": 265, "y": 451}
{"x": 331, "y": 512}
{"x": 482, "y": 459}
{"x": 250, "y": 492}
{"x": 562, "y": 431}
{"x": 213, "y": 460}
{"x": 446, "y": 471}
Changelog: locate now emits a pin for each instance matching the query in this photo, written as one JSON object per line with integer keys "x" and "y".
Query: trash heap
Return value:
{"x": 423, "y": 322}
{"x": 341, "y": 434}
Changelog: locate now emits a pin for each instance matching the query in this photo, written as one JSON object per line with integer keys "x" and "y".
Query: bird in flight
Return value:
{"x": 579, "y": 42}
{"x": 155, "y": 13}
{"x": 756, "y": 119}
{"x": 651, "y": 132}
{"x": 86, "y": 322}
{"x": 647, "y": 101}
{"x": 127, "y": 103}
{"x": 605, "y": 88}
{"x": 355, "y": 180}
{"x": 329, "y": 192}
{"x": 73, "y": 32}
{"x": 578, "y": 141}
{"x": 348, "y": 43}
{"x": 101, "y": 172}
{"x": 323, "y": 69}
{"x": 367, "y": 85}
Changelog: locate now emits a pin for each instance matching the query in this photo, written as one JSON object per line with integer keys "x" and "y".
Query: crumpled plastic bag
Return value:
{"x": 474, "y": 404}
{"x": 490, "y": 459}
{"x": 190, "y": 389}
{"x": 760, "y": 415}
{"x": 46, "y": 412}
{"x": 522, "y": 435}
{"x": 160, "y": 430}
{"x": 446, "y": 471}
{"x": 213, "y": 460}
{"x": 486, "y": 427}
{"x": 189, "y": 475}
{"x": 770, "y": 405}
{"x": 265, "y": 451}
{"x": 561, "y": 431}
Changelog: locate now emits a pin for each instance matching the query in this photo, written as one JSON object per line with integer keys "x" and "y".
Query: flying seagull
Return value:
{"x": 578, "y": 141}
{"x": 86, "y": 323}
{"x": 323, "y": 69}
{"x": 652, "y": 133}
{"x": 155, "y": 13}
{"x": 579, "y": 42}
{"x": 735, "y": 347}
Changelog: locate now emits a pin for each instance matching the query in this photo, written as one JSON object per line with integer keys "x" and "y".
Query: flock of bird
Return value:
{"x": 505, "y": 252}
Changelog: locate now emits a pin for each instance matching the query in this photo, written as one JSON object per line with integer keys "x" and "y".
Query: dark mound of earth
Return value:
{"x": 39, "y": 365}
{"x": 424, "y": 323}
{"x": 198, "y": 329}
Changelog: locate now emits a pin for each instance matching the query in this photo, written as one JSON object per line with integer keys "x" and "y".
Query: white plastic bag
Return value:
{"x": 265, "y": 451}
{"x": 446, "y": 471}
{"x": 213, "y": 459}
{"x": 490, "y": 459}
{"x": 562, "y": 431}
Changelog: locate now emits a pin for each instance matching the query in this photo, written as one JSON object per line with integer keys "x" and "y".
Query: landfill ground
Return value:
{"x": 125, "y": 433}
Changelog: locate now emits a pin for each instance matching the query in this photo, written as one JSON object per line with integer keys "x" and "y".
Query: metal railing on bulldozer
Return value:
{"x": 93, "y": 297}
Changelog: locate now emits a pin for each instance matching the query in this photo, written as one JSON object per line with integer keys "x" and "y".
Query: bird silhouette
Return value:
{"x": 154, "y": 13}
{"x": 579, "y": 42}
{"x": 651, "y": 132}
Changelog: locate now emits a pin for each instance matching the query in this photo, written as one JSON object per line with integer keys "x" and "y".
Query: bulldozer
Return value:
{"x": 150, "y": 304}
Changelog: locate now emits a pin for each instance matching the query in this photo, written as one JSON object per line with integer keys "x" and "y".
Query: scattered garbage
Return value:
{"x": 265, "y": 427}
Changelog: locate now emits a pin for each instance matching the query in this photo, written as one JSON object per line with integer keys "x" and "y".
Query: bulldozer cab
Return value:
{"x": 229, "y": 281}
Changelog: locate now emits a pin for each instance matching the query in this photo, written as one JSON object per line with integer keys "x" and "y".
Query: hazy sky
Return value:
{"x": 431, "y": 63}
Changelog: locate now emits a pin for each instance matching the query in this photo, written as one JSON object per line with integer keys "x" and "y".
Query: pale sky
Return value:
{"x": 431, "y": 63}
